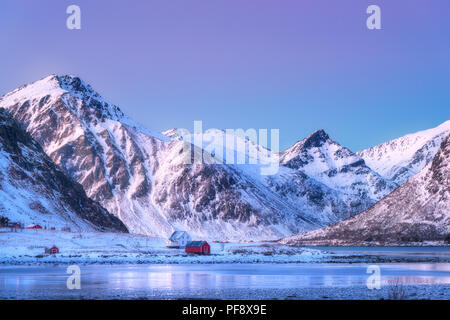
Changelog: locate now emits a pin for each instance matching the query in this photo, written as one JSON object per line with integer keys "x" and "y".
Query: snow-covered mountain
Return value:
{"x": 141, "y": 177}
{"x": 337, "y": 167}
{"x": 112, "y": 157}
{"x": 33, "y": 190}
{"x": 417, "y": 211}
{"x": 402, "y": 158}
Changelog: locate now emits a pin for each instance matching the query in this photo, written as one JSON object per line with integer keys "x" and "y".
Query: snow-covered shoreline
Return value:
{"x": 28, "y": 246}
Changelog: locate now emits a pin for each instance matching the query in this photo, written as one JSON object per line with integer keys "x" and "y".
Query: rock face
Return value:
{"x": 140, "y": 176}
{"x": 417, "y": 211}
{"x": 34, "y": 190}
{"x": 401, "y": 158}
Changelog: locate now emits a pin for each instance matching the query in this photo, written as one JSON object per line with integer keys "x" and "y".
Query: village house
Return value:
{"x": 178, "y": 239}
{"x": 199, "y": 247}
{"x": 52, "y": 250}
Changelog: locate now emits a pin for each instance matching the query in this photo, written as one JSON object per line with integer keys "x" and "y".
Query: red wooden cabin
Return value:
{"x": 52, "y": 250}
{"x": 200, "y": 247}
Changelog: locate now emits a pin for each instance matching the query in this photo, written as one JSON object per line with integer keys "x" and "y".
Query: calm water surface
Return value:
{"x": 49, "y": 281}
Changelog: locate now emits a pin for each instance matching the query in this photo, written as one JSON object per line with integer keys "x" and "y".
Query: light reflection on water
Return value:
{"x": 218, "y": 276}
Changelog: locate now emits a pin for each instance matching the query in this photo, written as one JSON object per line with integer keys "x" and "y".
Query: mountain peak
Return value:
{"x": 55, "y": 84}
{"x": 316, "y": 139}
{"x": 51, "y": 85}
{"x": 55, "y": 87}
{"x": 75, "y": 85}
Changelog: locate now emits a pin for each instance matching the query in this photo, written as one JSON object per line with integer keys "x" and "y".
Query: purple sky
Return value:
{"x": 288, "y": 64}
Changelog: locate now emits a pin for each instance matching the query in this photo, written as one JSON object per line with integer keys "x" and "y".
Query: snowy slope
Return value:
{"x": 401, "y": 158}
{"x": 33, "y": 190}
{"x": 417, "y": 211}
{"x": 141, "y": 177}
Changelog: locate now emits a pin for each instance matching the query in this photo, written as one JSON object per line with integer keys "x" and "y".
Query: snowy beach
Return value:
{"x": 28, "y": 246}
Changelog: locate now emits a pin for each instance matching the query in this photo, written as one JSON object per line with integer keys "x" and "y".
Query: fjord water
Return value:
{"x": 229, "y": 281}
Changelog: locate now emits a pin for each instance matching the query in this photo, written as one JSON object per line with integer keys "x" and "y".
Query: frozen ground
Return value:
{"x": 413, "y": 292}
{"x": 27, "y": 246}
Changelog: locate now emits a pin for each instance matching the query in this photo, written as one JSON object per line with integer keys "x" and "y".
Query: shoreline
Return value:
{"x": 184, "y": 260}
{"x": 29, "y": 248}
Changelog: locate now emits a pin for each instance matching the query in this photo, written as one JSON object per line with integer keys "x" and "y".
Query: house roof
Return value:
{"x": 177, "y": 235}
{"x": 195, "y": 243}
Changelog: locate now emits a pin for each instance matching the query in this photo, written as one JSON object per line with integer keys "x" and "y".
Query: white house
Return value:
{"x": 178, "y": 239}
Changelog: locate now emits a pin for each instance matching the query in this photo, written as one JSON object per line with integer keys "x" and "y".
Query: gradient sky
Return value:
{"x": 288, "y": 64}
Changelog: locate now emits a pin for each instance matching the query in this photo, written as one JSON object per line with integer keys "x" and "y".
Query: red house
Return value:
{"x": 52, "y": 250}
{"x": 200, "y": 247}
{"x": 34, "y": 226}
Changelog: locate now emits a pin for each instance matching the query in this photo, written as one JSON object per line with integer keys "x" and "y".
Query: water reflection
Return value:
{"x": 98, "y": 278}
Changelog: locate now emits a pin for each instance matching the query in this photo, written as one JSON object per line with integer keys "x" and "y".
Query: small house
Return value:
{"x": 34, "y": 227}
{"x": 52, "y": 250}
{"x": 200, "y": 247}
{"x": 178, "y": 239}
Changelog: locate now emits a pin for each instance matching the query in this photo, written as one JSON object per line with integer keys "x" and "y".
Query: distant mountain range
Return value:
{"x": 141, "y": 178}
{"x": 417, "y": 211}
